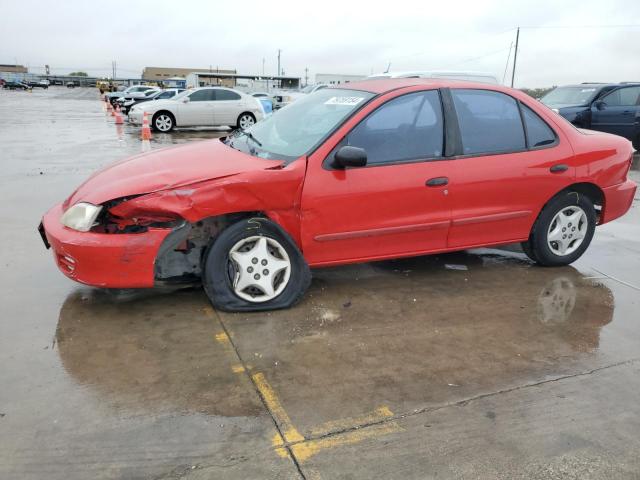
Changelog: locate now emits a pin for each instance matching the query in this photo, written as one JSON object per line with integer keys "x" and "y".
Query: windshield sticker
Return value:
{"x": 348, "y": 101}
{"x": 588, "y": 90}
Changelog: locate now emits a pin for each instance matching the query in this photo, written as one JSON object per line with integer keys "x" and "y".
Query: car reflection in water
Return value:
{"x": 499, "y": 322}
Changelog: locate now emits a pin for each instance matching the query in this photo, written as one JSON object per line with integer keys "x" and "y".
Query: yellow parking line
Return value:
{"x": 222, "y": 338}
{"x": 367, "y": 419}
{"x": 304, "y": 450}
{"x": 292, "y": 439}
{"x": 238, "y": 368}
{"x": 290, "y": 432}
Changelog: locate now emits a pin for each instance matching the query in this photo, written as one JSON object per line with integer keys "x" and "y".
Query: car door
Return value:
{"x": 228, "y": 107}
{"x": 618, "y": 112}
{"x": 504, "y": 173}
{"x": 398, "y": 204}
{"x": 198, "y": 110}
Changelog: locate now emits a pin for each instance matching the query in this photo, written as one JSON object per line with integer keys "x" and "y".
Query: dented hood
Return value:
{"x": 166, "y": 169}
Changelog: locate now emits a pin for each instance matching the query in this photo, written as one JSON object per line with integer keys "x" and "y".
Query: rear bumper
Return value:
{"x": 103, "y": 260}
{"x": 617, "y": 200}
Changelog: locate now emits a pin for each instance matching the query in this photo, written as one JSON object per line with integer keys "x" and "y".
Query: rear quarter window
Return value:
{"x": 539, "y": 133}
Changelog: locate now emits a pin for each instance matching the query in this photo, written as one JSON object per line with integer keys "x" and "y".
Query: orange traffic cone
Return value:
{"x": 146, "y": 130}
{"x": 119, "y": 120}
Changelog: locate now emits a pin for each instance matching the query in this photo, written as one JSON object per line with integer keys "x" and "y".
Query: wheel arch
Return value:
{"x": 246, "y": 112}
{"x": 590, "y": 190}
{"x": 180, "y": 257}
{"x": 169, "y": 112}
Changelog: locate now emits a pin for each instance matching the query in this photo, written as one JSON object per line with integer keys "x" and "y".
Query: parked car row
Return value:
{"x": 16, "y": 86}
{"x": 606, "y": 107}
{"x": 129, "y": 100}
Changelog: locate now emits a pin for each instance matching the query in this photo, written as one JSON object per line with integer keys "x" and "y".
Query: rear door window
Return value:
{"x": 623, "y": 97}
{"x": 202, "y": 95}
{"x": 405, "y": 128}
{"x": 489, "y": 122}
{"x": 226, "y": 95}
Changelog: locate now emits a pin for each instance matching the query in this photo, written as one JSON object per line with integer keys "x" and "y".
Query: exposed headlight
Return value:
{"x": 555, "y": 110}
{"x": 81, "y": 216}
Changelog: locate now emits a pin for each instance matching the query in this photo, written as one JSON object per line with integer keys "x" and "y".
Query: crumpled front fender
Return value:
{"x": 276, "y": 192}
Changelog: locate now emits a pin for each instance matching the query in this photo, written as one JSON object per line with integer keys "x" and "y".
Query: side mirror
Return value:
{"x": 186, "y": 100}
{"x": 349, "y": 157}
{"x": 599, "y": 104}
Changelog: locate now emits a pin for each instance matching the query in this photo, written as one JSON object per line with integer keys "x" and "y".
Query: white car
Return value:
{"x": 481, "y": 77}
{"x": 205, "y": 106}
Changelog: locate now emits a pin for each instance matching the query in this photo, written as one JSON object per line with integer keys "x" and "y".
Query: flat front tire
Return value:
{"x": 563, "y": 230}
{"x": 254, "y": 265}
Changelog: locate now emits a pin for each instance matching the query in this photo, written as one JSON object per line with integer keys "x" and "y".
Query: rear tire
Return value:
{"x": 236, "y": 268}
{"x": 563, "y": 230}
{"x": 636, "y": 143}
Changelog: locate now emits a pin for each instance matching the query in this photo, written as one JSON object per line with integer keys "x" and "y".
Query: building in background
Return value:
{"x": 337, "y": 79}
{"x": 161, "y": 74}
{"x": 13, "y": 69}
{"x": 248, "y": 83}
{"x": 13, "y": 73}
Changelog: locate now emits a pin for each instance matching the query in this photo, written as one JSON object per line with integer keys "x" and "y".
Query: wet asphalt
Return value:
{"x": 475, "y": 364}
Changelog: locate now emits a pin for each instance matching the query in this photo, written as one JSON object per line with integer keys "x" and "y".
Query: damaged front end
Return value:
{"x": 116, "y": 218}
{"x": 180, "y": 256}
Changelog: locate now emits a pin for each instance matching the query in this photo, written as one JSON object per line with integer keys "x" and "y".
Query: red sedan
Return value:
{"x": 382, "y": 169}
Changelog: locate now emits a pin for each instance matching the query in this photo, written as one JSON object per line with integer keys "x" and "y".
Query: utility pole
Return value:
{"x": 306, "y": 76}
{"x": 515, "y": 57}
{"x": 263, "y": 66}
{"x": 279, "y": 51}
{"x": 113, "y": 69}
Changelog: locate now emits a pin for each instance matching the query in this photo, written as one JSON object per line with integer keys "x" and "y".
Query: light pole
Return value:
{"x": 515, "y": 58}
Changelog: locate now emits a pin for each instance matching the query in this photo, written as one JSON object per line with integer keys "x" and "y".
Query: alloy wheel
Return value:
{"x": 164, "y": 123}
{"x": 246, "y": 121}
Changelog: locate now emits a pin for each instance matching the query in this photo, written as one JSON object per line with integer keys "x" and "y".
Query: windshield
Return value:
{"x": 570, "y": 96}
{"x": 297, "y": 128}
{"x": 307, "y": 89}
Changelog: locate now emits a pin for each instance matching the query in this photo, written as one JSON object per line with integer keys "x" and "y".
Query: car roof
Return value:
{"x": 385, "y": 84}
{"x": 590, "y": 85}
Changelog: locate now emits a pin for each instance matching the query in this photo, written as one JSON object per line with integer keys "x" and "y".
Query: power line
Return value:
{"x": 480, "y": 56}
{"x": 506, "y": 66}
{"x": 631, "y": 25}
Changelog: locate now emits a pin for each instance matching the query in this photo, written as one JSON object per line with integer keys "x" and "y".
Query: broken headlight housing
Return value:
{"x": 81, "y": 216}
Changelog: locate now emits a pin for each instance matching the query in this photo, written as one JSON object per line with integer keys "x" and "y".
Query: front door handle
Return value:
{"x": 559, "y": 168}
{"x": 437, "y": 182}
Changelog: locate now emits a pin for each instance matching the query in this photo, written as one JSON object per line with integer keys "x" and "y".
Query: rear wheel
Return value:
{"x": 254, "y": 265}
{"x": 163, "y": 122}
{"x": 563, "y": 231}
{"x": 245, "y": 120}
{"x": 636, "y": 142}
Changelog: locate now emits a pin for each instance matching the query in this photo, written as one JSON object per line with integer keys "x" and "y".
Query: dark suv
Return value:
{"x": 608, "y": 107}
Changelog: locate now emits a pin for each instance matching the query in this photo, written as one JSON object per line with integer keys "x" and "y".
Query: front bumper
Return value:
{"x": 103, "y": 260}
{"x": 135, "y": 117}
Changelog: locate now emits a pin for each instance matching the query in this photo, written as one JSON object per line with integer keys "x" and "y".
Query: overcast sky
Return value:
{"x": 328, "y": 37}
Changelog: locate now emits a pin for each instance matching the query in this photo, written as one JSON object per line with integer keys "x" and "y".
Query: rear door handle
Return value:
{"x": 437, "y": 182}
{"x": 559, "y": 168}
